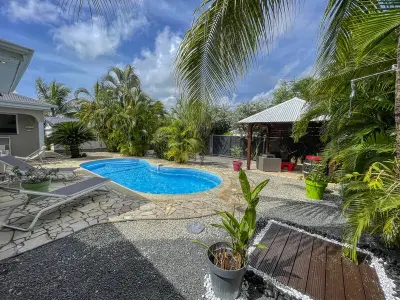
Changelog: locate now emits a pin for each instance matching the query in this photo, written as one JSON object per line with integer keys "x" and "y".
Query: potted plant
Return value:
{"x": 316, "y": 182}
{"x": 236, "y": 152}
{"x": 35, "y": 179}
{"x": 228, "y": 260}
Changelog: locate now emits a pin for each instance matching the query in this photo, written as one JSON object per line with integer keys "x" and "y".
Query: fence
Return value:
{"x": 222, "y": 144}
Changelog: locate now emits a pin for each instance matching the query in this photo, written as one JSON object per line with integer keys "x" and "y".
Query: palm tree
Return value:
{"x": 225, "y": 39}
{"x": 124, "y": 117}
{"x": 123, "y": 83}
{"x": 71, "y": 134}
{"x": 55, "y": 93}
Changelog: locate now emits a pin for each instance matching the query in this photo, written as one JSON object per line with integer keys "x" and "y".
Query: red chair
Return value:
{"x": 290, "y": 166}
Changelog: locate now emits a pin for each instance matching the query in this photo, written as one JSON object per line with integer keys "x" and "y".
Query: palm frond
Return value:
{"x": 224, "y": 42}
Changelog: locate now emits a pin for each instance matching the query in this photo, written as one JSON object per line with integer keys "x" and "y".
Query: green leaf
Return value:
{"x": 201, "y": 244}
{"x": 244, "y": 183}
{"x": 235, "y": 222}
{"x": 261, "y": 246}
{"x": 259, "y": 188}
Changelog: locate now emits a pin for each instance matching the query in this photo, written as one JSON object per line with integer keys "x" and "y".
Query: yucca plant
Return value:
{"x": 240, "y": 231}
{"x": 372, "y": 205}
{"x": 72, "y": 134}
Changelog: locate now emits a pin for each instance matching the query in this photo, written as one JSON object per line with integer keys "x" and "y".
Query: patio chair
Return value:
{"x": 66, "y": 195}
{"x": 13, "y": 161}
{"x": 36, "y": 154}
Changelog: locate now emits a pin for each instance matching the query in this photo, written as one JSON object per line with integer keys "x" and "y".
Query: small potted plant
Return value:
{"x": 35, "y": 179}
{"x": 316, "y": 182}
{"x": 228, "y": 260}
{"x": 237, "y": 153}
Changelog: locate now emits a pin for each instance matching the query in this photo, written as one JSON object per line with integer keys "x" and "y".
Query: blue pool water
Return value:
{"x": 141, "y": 176}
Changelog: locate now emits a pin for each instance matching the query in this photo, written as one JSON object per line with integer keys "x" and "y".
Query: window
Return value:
{"x": 8, "y": 124}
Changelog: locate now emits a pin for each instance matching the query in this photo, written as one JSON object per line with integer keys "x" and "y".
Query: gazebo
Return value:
{"x": 278, "y": 120}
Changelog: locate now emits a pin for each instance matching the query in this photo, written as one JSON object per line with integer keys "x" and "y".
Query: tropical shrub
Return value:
{"x": 317, "y": 173}
{"x": 236, "y": 152}
{"x": 372, "y": 205}
{"x": 72, "y": 134}
{"x": 182, "y": 144}
{"x": 239, "y": 231}
{"x": 160, "y": 142}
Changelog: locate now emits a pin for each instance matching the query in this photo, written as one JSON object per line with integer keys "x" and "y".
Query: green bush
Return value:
{"x": 160, "y": 142}
{"x": 72, "y": 134}
{"x": 372, "y": 205}
{"x": 317, "y": 173}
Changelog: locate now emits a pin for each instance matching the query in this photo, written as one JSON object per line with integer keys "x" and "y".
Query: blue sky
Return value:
{"x": 78, "y": 53}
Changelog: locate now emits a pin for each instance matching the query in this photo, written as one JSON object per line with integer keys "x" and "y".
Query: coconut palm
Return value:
{"x": 71, "y": 134}
{"x": 227, "y": 36}
{"x": 57, "y": 94}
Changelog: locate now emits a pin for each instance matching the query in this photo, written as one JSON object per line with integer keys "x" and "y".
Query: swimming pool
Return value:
{"x": 141, "y": 176}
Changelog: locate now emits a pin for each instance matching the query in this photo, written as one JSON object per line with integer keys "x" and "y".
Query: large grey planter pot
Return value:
{"x": 226, "y": 284}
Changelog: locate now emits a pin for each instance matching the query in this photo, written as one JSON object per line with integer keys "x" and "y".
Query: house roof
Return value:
{"x": 287, "y": 112}
{"x": 14, "y": 60}
{"x": 18, "y": 101}
{"x": 58, "y": 120}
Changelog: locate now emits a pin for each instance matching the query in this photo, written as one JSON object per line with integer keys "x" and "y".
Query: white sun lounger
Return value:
{"x": 23, "y": 166}
{"x": 36, "y": 154}
{"x": 66, "y": 194}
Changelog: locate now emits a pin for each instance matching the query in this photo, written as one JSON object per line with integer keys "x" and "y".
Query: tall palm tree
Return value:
{"x": 123, "y": 83}
{"x": 124, "y": 117}
{"x": 227, "y": 36}
{"x": 57, "y": 94}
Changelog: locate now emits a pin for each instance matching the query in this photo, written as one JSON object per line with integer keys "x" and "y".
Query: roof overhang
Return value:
{"x": 39, "y": 106}
{"x": 14, "y": 60}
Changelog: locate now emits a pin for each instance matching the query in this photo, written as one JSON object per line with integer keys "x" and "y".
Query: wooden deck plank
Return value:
{"x": 258, "y": 254}
{"x": 334, "y": 288}
{"x": 372, "y": 287}
{"x": 298, "y": 278}
{"x": 316, "y": 273}
{"x": 314, "y": 267}
{"x": 353, "y": 286}
{"x": 285, "y": 265}
{"x": 271, "y": 259}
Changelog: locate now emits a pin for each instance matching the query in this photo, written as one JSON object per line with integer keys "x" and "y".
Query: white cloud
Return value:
{"x": 38, "y": 11}
{"x": 307, "y": 71}
{"x": 90, "y": 39}
{"x": 263, "y": 96}
{"x": 155, "y": 68}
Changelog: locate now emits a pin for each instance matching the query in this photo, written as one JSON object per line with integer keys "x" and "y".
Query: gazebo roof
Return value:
{"x": 287, "y": 112}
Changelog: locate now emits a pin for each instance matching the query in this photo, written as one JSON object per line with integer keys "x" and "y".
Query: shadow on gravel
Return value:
{"x": 95, "y": 269}
{"x": 312, "y": 214}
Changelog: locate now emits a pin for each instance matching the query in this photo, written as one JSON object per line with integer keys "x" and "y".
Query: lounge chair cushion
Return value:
{"x": 78, "y": 187}
{"x": 24, "y": 166}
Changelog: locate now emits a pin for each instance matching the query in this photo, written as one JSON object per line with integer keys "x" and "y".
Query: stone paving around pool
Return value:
{"x": 121, "y": 204}
{"x": 101, "y": 207}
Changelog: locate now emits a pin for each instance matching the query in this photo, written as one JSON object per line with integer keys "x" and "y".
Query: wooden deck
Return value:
{"x": 314, "y": 267}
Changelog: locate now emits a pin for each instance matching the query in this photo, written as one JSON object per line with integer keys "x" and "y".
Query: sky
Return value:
{"x": 78, "y": 52}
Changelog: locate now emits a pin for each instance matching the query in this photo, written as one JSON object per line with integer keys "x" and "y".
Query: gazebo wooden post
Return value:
{"x": 249, "y": 139}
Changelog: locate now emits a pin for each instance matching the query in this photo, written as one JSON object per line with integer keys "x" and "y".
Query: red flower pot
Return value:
{"x": 237, "y": 164}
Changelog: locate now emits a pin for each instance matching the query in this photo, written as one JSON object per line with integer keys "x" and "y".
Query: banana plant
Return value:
{"x": 241, "y": 231}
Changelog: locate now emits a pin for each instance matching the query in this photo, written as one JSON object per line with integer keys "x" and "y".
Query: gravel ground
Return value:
{"x": 147, "y": 259}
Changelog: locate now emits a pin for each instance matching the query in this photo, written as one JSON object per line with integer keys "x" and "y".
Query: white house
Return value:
{"x": 21, "y": 118}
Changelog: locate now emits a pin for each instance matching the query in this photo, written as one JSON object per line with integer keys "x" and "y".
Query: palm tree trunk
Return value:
{"x": 74, "y": 151}
{"x": 397, "y": 101}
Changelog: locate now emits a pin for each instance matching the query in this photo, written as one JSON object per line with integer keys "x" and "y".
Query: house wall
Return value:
{"x": 27, "y": 140}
